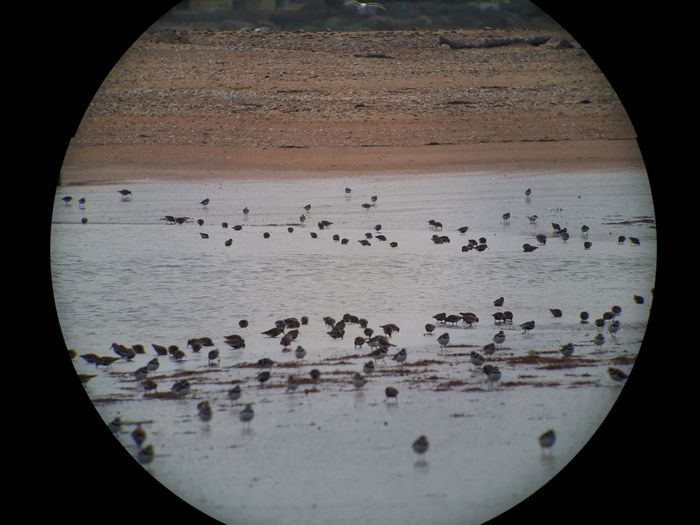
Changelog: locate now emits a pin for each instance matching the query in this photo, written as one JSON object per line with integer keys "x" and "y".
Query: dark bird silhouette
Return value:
{"x": 556, "y": 312}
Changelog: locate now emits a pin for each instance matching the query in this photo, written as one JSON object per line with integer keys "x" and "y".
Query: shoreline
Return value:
{"x": 85, "y": 165}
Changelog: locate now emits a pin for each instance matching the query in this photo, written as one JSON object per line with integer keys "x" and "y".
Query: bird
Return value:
{"x": 243, "y": 323}
{"x": 599, "y": 340}
{"x": 463, "y": 229}
{"x": 614, "y": 327}
{"x": 348, "y": 191}
{"x": 421, "y": 445}
{"x": 367, "y": 205}
{"x": 263, "y": 376}
{"x": 587, "y": 245}
{"x": 429, "y": 329}
{"x": 635, "y": 240}
{"x": 621, "y": 239}
{"x": 368, "y": 367}
{"x": 616, "y": 374}
{"x": 367, "y": 9}
{"x": 205, "y": 202}
{"x": 314, "y": 235}
{"x": 149, "y": 384}
{"x": 81, "y": 203}
{"x": 374, "y": 198}
{"x": 556, "y": 227}
{"x": 238, "y": 227}
{"x": 200, "y": 222}
{"x": 639, "y": 299}
{"x": 364, "y": 242}
{"x": 616, "y": 310}
{"x": 344, "y": 241}
{"x": 300, "y": 353}
{"x": 141, "y": 373}
{"x": 84, "y": 220}
{"x": 247, "y": 414}
{"x": 315, "y": 375}
{"x": 292, "y": 384}
{"x": 584, "y": 317}
{"x": 290, "y": 229}
{"x": 126, "y": 194}
{"x": 476, "y": 358}
{"x": 567, "y": 350}
{"x": 146, "y": 455}
{"x": 266, "y": 235}
{"x": 400, "y": 356}
{"x": 528, "y": 192}
{"x": 498, "y": 317}
{"x": 181, "y": 388}
{"x": 489, "y": 348}
{"x": 307, "y": 207}
{"x": 547, "y": 440}
{"x": 506, "y": 217}
{"x": 469, "y": 318}
{"x": 527, "y": 326}
{"x": 492, "y": 373}
{"x": 67, "y": 200}
{"x": 204, "y": 235}
{"x": 265, "y": 362}
{"x": 527, "y": 248}
{"x": 115, "y": 425}
{"x": 532, "y": 218}
{"x": 246, "y": 211}
{"x": 358, "y": 380}
{"x": 213, "y": 355}
{"x": 585, "y": 229}
{"x": 541, "y": 238}
{"x": 393, "y": 244}
{"x": 499, "y": 302}
{"x": 234, "y": 393}
{"x": 273, "y": 332}
{"x": 556, "y": 312}
{"x": 444, "y": 340}
{"x": 499, "y": 338}
{"x": 391, "y": 392}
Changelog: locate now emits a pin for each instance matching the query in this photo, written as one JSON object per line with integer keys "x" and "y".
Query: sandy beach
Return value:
{"x": 236, "y": 104}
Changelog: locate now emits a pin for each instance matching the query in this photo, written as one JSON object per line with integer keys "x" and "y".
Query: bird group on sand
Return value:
{"x": 381, "y": 342}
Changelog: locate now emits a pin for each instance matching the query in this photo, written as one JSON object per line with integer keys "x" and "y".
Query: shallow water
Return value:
{"x": 334, "y": 454}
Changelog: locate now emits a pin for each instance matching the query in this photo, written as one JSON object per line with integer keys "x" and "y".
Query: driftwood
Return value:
{"x": 372, "y": 55}
{"x": 495, "y": 42}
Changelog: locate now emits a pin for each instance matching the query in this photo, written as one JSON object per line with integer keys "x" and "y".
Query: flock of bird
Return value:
{"x": 380, "y": 345}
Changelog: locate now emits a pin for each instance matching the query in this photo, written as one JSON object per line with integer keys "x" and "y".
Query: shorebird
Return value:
{"x": 290, "y": 230}
{"x": 81, "y": 203}
{"x": 393, "y": 244}
{"x": 246, "y": 211}
{"x": 547, "y": 440}
{"x": 463, "y": 229}
{"x": 235, "y": 341}
{"x": 541, "y": 238}
{"x": 247, "y": 414}
{"x": 481, "y": 247}
{"x": 527, "y": 326}
{"x": 469, "y": 318}
{"x": 532, "y": 218}
{"x": 115, "y": 425}
{"x": 634, "y": 240}
{"x": 234, "y": 393}
{"x": 292, "y": 384}
{"x": 263, "y": 376}
{"x": 507, "y": 316}
{"x": 367, "y": 205}
{"x": 67, "y": 200}
{"x": 499, "y": 338}
{"x": 344, "y": 241}
{"x": 564, "y": 235}
{"x": 348, "y": 191}
{"x": 266, "y": 235}
{"x": 238, "y": 227}
{"x": 265, "y": 362}
{"x": 204, "y": 235}
{"x": 359, "y": 341}
{"x": 492, "y": 373}
{"x": 146, "y": 455}
{"x": 315, "y": 375}
{"x": 273, "y": 332}
{"x": 213, "y": 355}
{"x": 506, "y": 217}
{"x": 400, "y": 356}
{"x": 373, "y": 198}
{"x": 149, "y": 385}
{"x": 556, "y": 312}
{"x": 123, "y": 351}
{"x": 300, "y": 353}
{"x": 391, "y": 392}
{"x": 204, "y": 410}
{"x": 367, "y": 9}
{"x": 204, "y": 203}
{"x": 160, "y": 349}
{"x": 556, "y": 227}
{"x": 302, "y": 218}
{"x": 498, "y": 317}
{"x": 444, "y": 340}
{"x": 314, "y": 235}
{"x": 181, "y": 388}
{"x": 584, "y": 317}
{"x": 476, "y": 358}
{"x": 567, "y": 349}
{"x": 285, "y": 341}
{"x": 499, "y": 302}
{"x": 358, "y": 380}
{"x": 421, "y": 445}
{"x": 528, "y": 192}
{"x": 141, "y": 373}
{"x": 614, "y": 327}
{"x": 126, "y": 195}
{"x": 429, "y": 329}
{"x": 527, "y": 248}
{"x": 364, "y": 242}
{"x": 369, "y": 235}
{"x": 380, "y": 237}
{"x": 489, "y": 349}
{"x": 616, "y": 374}
{"x": 599, "y": 339}
{"x": 639, "y": 299}
{"x": 587, "y": 245}
{"x": 368, "y": 367}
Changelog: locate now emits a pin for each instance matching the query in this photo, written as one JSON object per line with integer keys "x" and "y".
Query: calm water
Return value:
{"x": 338, "y": 455}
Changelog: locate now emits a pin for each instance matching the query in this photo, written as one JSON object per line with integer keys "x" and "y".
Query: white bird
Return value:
{"x": 371, "y": 8}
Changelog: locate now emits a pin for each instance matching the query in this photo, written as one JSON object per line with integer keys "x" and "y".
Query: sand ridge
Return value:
{"x": 234, "y": 104}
